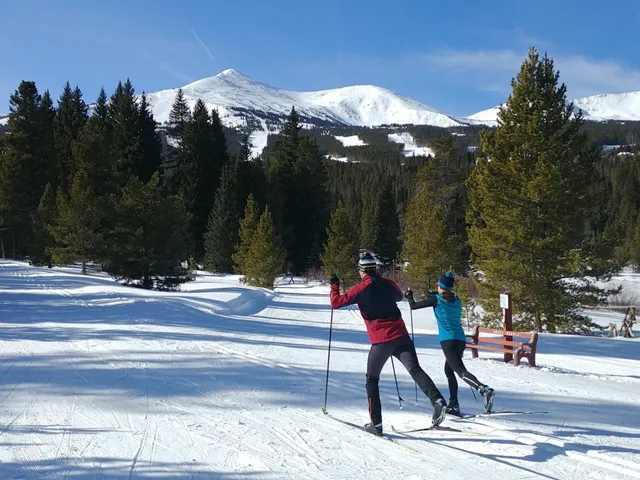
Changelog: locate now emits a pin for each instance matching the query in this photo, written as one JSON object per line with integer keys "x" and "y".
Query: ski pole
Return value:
{"x": 414, "y": 346}
{"x": 326, "y": 386}
{"x": 400, "y": 400}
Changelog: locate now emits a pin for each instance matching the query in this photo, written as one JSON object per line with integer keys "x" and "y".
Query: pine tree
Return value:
{"x": 635, "y": 246}
{"x": 179, "y": 116}
{"x": 244, "y": 165}
{"x": 149, "y": 239}
{"x": 46, "y": 140}
{"x": 222, "y": 229}
{"x": 370, "y": 222}
{"x": 71, "y": 116}
{"x": 92, "y": 153}
{"x": 428, "y": 249}
{"x": 202, "y": 153}
{"x": 283, "y": 193}
{"x": 531, "y": 200}
{"x": 123, "y": 121}
{"x": 341, "y": 250}
{"x": 76, "y": 227}
{"x": 150, "y": 155}
{"x": 43, "y": 219}
{"x": 27, "y": 163}
{"x": 247, "y": 230}
{"x": 101, "y": 110}
{"x": 266, "y": 255}
{"x": 387, "y": 241}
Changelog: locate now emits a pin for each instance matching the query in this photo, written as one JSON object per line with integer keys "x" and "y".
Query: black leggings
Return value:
{"x": 403, "y": 349}
{"x": 453, "y": 351}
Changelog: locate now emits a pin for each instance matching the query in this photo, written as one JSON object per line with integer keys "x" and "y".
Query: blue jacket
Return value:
{"x": 448, "y": 315}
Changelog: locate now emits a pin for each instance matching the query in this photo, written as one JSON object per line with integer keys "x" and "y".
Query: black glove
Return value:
{"x": 334, "y": 280}
{"x": 409, "y": 294}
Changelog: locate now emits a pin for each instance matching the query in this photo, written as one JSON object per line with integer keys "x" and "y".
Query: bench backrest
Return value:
{"x": 506, "y": 333}
{"x": 532, "y": 337}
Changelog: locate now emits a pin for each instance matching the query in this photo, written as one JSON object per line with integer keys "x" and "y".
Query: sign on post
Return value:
{"x": 504, "y": 300}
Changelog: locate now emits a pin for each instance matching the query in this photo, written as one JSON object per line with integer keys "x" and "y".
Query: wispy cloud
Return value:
{"x": 484, "y": 69}
{"x": 206, "y": 49}
{"x": 164, "y": 66}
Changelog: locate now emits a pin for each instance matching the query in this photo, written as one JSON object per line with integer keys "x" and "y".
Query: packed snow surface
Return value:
{"x": 238, "y": 97}
{"x": 219, "y": 380}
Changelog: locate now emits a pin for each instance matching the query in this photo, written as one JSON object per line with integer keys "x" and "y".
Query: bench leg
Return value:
{"x": 517, "y": 356}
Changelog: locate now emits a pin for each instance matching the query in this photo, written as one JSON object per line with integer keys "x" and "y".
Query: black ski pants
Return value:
{"x": 403, "y": 349}
{"x": 453, "y": 351}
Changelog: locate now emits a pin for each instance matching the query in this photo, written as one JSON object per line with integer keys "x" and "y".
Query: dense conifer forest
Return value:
{"x": 543, "y": 205}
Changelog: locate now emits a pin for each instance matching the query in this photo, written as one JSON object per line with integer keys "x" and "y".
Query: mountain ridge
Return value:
{"x": 244, "y": 102}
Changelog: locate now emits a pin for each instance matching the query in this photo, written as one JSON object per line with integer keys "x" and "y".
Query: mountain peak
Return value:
{"x": 232, "y": 73}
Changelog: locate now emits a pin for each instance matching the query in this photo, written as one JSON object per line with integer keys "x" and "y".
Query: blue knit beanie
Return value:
{"x": 446, "y": 281}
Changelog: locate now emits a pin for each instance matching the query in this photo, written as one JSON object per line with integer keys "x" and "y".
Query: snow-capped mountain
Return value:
{"x": 611, "y": 106}
{"x": 241, "y": 100}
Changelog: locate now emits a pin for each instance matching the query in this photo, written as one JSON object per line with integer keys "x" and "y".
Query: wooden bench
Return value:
{"x": 525, "y": 349}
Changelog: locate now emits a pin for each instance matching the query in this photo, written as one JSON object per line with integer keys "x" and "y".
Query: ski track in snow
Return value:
{"x": 225, "y": 381}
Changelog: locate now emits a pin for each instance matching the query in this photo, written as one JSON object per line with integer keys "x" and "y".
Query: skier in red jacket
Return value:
{"x": 376, "y": 298}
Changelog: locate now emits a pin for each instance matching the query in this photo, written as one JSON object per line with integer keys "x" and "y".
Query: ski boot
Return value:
{"x": 488, "y": 395}
{"x": 375, "y": 429}
{"x": 453, "y": 409}
{"x": 439, "y": 412}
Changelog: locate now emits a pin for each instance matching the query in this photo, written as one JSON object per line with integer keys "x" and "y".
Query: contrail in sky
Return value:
{"x": 201, "y": 43}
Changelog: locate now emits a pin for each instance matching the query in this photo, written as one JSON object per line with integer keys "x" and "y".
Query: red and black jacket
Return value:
{"x": 376, "y": 297}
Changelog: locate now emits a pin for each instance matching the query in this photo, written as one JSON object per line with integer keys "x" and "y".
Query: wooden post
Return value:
{"x": 506, "y": 305}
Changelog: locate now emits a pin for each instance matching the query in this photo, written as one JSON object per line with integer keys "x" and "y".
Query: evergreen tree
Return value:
{"x": 101, "y": 110}
{"x": 283, "y": 192}
{"x": 71, "y": 116}
{"x": 76, "y": 229}
{"x": 202, "y": 153}
{"x": 387, "y": 241}
{"x": 428, "y": 249}
{"x": 245, "y": 181}
{"x": 123, "y": 120}
{"x": 179, "y": 116}
{"x": 46, "y": 139}
{"x": 149, "y": 240}
{"x": 92, "y": 153}
{"x": 310, "y": 212}
{"x": 266, "y": 255}
{"x": 43, "y": 219}
{"x": 370, "y": 222}
{"x": 635, "y": 247}
{"x": 531, "y": 200}
{"x": 247, "y": 230}
{"x": 222, "y": 230}
{"x": 27, "y": 163}
{"x": 150, "y": 156}
{"x": 341, "y": 250}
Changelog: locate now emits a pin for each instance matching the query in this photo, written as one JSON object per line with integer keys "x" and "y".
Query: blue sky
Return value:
{"x": 458, "y": 57}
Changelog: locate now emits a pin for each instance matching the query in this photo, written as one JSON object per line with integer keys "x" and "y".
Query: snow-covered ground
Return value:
{"x": 219, "y": 380}
{"x": 410, "y": 147}
{"x": 351, "y": 141}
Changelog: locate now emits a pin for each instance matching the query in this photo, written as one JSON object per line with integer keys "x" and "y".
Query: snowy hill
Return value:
{"x": 623, "y": 106}
{"x": 4, "y": 119}
{"x": 618, "y": 107}
{"x": 241, "y": 99}
{"x": 220, "y": 380}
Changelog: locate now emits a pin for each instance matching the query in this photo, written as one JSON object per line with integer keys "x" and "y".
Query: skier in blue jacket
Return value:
{"x": 447, "y": 308}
